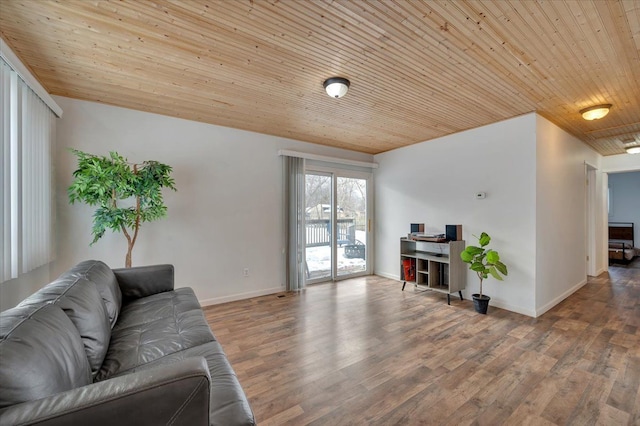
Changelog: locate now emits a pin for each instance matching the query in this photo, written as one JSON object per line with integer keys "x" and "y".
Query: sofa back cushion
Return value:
{"x": 104, "y": 278}
{"x": 80, "y": 300}
{"x": 41, "y": 354}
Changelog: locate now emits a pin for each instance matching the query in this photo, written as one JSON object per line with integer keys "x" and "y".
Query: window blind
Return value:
{"x": 26, "y": 205}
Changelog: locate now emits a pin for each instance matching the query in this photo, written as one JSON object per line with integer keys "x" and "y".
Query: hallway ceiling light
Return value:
{"x": 630, "y": 145}
{"x": 336, "y": 87}
{"x": 633, "y": 149}
{"x": 595, "y": 112}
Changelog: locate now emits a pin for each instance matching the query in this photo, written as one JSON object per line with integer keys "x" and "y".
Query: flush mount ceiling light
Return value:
{"x": 633, "y": 150}
{"x": 630, "y": 145}
{"x": 595, "y": 112}
{"x": 336, "y": 87}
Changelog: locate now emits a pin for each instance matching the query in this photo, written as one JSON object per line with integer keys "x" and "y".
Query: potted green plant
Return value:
{"x": 126, "y": 194}
{"x": 484, "y": 262}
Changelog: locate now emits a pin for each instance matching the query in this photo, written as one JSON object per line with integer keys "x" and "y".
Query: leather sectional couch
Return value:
{"x": 115, "y": 347}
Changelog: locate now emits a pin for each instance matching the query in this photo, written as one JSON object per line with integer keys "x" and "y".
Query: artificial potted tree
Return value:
{"x": 485, "y": 262}
{"x": 126, "y": 194}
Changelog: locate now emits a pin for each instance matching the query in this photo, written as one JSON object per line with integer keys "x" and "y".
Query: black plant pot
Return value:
{"x": 481, "y": 303}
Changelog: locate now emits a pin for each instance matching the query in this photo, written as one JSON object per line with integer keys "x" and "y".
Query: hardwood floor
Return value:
{"x": 363, "y": 352}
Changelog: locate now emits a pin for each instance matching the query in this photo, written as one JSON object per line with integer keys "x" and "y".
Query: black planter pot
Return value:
{"x": 481, "y": 303}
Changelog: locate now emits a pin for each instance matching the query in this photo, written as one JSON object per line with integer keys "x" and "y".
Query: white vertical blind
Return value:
{"x": 5, "y": 176}
{"x": 28, "y": 132}
{"x": 295, "y": 225}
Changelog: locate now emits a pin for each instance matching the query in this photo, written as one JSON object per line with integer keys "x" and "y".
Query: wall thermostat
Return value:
{"x": 481, "y": 195}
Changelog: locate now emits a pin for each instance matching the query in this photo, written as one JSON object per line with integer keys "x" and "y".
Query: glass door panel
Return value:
{"x": 351, "y": 218}
{"x": 318, "y": 252}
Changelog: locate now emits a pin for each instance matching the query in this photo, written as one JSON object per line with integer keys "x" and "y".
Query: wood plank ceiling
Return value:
{"x": 418, "y": 69}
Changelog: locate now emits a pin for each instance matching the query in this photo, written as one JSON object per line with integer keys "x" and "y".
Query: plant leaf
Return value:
{"x": 478, "y": 267}
{"x": 484, "y": 239}
{"x": 473, "y": 250}
{"x": 466, "y": 256}
{"x": 502, "y": 268}
{"x": 494, "y": 273}
{"x": 493, "y": 257}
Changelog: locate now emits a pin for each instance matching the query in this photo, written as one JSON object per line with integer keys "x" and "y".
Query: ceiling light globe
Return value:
{"x": 336, "y": 87}
{"x": 633, "y": 150}
{"x": 595, "y": 112}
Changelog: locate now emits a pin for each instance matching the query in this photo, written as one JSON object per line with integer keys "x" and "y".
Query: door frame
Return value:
{"x": 590, "y": 218}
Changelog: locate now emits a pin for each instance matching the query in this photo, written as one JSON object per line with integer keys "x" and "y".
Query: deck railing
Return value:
{"x": 319, "y": 232}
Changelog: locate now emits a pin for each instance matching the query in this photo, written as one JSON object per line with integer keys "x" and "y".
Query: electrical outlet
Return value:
{"x": 245, "y": 272}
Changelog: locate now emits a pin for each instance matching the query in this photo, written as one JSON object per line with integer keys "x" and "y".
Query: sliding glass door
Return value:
{"x": 351, "y": 194}
{"x": 318, "y": 218}
{"x": 337, "y": 224}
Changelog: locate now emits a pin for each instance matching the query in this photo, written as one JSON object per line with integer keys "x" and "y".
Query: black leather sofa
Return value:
{"x": 115, "y": 347}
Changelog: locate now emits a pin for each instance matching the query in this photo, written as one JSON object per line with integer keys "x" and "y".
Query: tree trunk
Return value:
{"x": 127, "y": 261}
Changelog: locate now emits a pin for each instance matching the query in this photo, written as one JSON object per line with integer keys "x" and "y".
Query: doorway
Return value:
{"x": 337, "y": 224}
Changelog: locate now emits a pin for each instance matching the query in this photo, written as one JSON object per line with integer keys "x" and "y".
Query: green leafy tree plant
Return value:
{"x": 484, "y": 261}
{"x": 126, "y": 194}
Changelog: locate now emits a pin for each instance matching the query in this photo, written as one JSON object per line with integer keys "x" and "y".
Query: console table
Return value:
{"x": 436, "y": 266}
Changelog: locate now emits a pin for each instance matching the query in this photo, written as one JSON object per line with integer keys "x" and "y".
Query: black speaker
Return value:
{"x": 453, "y": 232}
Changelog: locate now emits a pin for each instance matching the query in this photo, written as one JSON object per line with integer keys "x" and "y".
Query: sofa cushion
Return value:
{"x": 105, "y": 280}
{"x": 81, "y": 301}
{"x": 229, "y": 405}
{"x": 153, "y": 327}
{"x": 41, "y": 354}
{"x": 157, "y": 306}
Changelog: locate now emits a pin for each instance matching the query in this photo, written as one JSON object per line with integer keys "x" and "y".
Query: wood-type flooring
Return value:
{"x": 361, "y": 351}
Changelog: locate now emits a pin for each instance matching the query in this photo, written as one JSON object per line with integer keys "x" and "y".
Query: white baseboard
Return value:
{"x": 560, "y": 298}
{"x": 601, "y": 270}
{"x": 390, "y": 276}
{"x": 240, "y": 296}
{"x": 511, "y": 308}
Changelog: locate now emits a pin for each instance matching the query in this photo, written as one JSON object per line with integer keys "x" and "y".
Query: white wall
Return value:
{"x": 625, "y": 200}
{"x": 225, "y": 216}
{"x": 227, "y": 213}
{"x": 434, "y": 182}
{"x": 621, "y": 163}
{"x": 561, "y": 222}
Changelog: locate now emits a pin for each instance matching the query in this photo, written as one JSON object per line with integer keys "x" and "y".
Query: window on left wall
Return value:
{"x": 27, "y": 133}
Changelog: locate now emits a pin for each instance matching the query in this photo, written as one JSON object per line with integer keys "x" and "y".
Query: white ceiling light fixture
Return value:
{"x": 630, "y": 145}
{"x": 595, "y": 112}
{"x": 633, "y": 150}
{"x": 336, "y": 87}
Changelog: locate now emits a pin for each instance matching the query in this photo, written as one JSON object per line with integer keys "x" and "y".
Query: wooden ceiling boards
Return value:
{"x": 418, "y": 69}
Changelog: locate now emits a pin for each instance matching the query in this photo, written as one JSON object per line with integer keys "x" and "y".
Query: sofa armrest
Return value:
{"x": 142, "y": 281}
{"x": 175, "y": 394}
